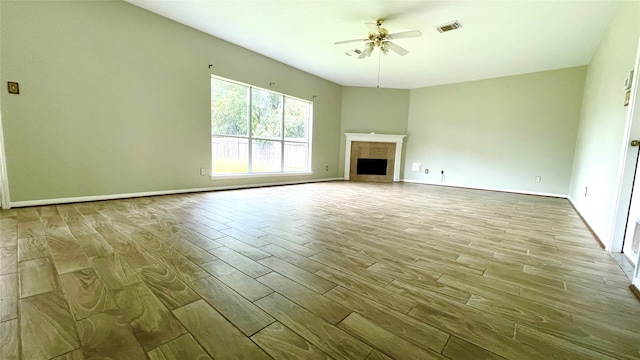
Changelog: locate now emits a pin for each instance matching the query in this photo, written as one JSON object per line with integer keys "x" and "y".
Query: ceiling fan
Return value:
{"x": 380, "y": 37}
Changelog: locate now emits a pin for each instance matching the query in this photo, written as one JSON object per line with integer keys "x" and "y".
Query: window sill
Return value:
{"x": 258, "y": 175}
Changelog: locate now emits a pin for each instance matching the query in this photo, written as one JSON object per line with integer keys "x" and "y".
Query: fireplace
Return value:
{"x": 373, "y": 157}
{"x": 366, "y": 166}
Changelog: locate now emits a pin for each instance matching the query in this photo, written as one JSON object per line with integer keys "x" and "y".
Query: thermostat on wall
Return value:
{"x": 628, "y": 81}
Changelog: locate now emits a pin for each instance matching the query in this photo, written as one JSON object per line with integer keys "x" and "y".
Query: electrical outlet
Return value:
{"x": 585, "y": 190}
{"x": 426, "y": 171}
{"x": 538, "y": 178}
{"x": 203, "y": 171}
{"x": 326, "y": 168}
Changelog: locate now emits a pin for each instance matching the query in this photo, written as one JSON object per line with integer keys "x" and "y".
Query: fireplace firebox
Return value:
{"x": 371, "y": 166}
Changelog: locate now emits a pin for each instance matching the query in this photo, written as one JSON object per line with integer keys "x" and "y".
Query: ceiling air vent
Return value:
{"x": 452, "y": 25}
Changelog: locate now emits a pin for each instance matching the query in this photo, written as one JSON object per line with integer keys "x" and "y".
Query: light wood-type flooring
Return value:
{"x": 317, "y": 271}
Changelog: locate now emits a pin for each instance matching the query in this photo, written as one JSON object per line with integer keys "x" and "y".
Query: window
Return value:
{"x": 257, "y": 131}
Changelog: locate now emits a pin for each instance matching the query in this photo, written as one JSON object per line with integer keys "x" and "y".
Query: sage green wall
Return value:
{"x": 115, "y": 99}
{"x": 603, "y": 122}
{"x": 365, "y": 110}
{"x": 499, "y": 133}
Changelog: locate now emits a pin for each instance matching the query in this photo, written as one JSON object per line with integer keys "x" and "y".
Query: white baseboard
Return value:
{"x": 563, "y": 196}
{"x": 154, "y": 193}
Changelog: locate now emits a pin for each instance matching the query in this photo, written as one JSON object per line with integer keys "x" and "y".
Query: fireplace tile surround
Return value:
{"x": 373, "y": 138}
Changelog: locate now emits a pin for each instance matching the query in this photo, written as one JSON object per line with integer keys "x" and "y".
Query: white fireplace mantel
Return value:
{"x": 372, "y": 137}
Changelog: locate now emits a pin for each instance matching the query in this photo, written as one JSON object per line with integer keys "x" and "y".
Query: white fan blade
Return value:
{"x": 350, "y": 41}
{"x": 405, "y": 34}
{"x": 397, "y": 49}
{"x": 373, "y": 27}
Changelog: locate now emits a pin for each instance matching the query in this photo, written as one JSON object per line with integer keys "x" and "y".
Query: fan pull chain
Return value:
{"x": 379, "y": 59}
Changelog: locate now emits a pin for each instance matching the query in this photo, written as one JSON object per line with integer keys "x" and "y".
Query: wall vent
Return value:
{"x": 451, "y": 25}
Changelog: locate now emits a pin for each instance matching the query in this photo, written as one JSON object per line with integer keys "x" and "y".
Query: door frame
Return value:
{"x": 628, "y": 165}
{"x": 4, "y": 180}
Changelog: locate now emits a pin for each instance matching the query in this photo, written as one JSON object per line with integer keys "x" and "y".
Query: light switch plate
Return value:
{"x": 416, "y": 166}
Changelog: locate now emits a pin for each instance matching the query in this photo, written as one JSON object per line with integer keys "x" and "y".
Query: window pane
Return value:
{"x": 266, "y": 114}
{"x": 296, "y": 119}
{"x": 296, "y": 157}
{"x": 266, "y": 156}
{"x": 229, "y": 108}
{"x": 230, "y": 155}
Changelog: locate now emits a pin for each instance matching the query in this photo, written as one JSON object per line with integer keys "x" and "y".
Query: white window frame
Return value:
{"x": 282, "y": 140}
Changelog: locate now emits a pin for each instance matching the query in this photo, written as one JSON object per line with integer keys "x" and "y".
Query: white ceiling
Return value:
{"x": 497, "y": 38}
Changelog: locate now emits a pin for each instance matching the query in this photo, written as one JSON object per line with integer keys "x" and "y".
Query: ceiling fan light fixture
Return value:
{"x": 368, "y": 48}
{"x": 384, "y": 47}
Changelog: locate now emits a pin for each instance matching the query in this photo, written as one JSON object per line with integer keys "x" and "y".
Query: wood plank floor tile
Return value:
{"x": 240, "y": 262}
{"x": 325, "y": 336}
{"x": 33, "y": 247}
{"x": 205, "y": 230}
{"x": 250, "y": 251}
{"x": 96, "y": 220}
{"x": 152, "y": 324}
{"x": 8, "y": 237}
{"x": 67, "y": 254}
{"x": 30, "y": 229}
{"x": 338, "y": 260}
{"x": 8, "y": 297}
{"x": 94, "y": 245}
{"x": 191, "y": 251}
{"x": 183, "y": 347}
{"x": 376, "y": 355}
{"x": 282, "y": 343}
{"x": 293, "y": 258}
{"x": 458, "y": 349}
{"x": 241, "y": 312}
{"x": 108, "y": 336}
{"x": 552, "y": 347}
{"x": 387, "y": 342}
{"x": 182, "y": 267}
{"x": 134, "y": 255}
{"x": 596, "y": 335}
{"x": 305, "y": 278}
{"x": 9, "y": 343}
{"x": 86, "y": 294}
{"x": 237, "y": 280}
{"x": 68, "y": 211}
{"x": 420, "y": 333}
{"x": 113, "y": 271}
{"x": 291, "y": 246}
{"x": 287, "y": 235}
{"x": 330, "y": 311}
{"x": 197, "y": 239}
{"x": 8, "y": 223}
{"x": 172, "y": 292}
{"x": 8, "y": 260}
{"x": 470, "y": 283}
{"x": 80, "y": 226}
{"x": 41, "y": 317}
{"x": 363, "y": 287}
{"x": 76, "y": 354}
{"x": 37, "y": 276}
{"x": 53, "y": 222}
{"x": 217, "y": 335}
{"x": 508, "y": 307}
